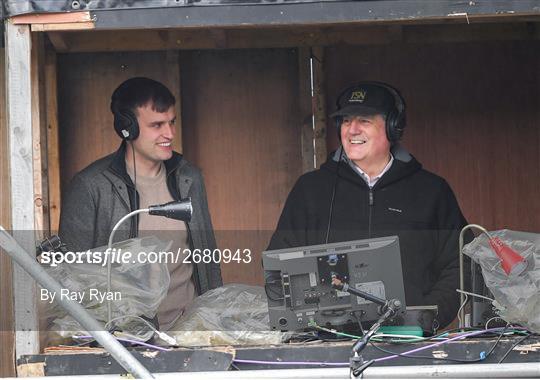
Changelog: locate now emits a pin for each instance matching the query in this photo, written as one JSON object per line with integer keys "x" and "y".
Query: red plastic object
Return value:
{"x": 512, "y": 262}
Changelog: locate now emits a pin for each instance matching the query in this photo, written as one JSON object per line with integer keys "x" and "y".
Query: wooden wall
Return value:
{"x": 473, "y": 118}
{"x": 242, "y": 128}
{"x": 85, "y": 85}
{"x": 7, "y": 343}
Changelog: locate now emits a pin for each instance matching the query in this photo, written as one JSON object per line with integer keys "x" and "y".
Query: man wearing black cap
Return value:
{"x": 371, "y": 187}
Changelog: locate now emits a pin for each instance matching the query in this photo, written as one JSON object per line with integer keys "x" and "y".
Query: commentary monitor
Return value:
{"x": 298, "y": 282}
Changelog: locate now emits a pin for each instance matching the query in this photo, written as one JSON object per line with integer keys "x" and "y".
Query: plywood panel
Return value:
{"x": 85, "y": 85}
{"x": 242, "y": 127}
{"x": 7, "y": 344}
{"x": 473, "y": 118}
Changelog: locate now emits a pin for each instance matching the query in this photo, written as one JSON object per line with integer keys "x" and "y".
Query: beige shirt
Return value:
{"x": 153, "y": 191}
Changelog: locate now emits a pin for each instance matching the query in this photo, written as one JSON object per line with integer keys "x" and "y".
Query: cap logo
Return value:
{"x": 358, "y": 96}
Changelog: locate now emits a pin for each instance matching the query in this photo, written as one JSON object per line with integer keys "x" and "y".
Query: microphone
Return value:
{"x": 179, "y": 210}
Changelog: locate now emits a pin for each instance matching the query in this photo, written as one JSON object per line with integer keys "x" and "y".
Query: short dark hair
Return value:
{"x": 139, "y": 91}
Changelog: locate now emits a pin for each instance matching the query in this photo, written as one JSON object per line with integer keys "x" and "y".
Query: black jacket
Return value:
{"x": 407, "y": 201}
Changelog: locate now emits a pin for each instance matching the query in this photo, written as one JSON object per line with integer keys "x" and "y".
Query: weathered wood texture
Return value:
{"x": 53, "y": 149}
{"x": 7, "y": 336}
{"x": 21, "y": 154}
{"x": 473, "y": 118}
{"x": 242, "y": 128}
{"x": 304, "y": 36}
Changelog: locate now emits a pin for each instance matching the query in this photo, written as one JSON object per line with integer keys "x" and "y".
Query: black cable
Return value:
{"x": 267, "y": 288}
{"x": 514, "y": 346}
{"x": 332, "y": 199}
{"x": 480, "y": 359}
{"x": 134, "y": 170}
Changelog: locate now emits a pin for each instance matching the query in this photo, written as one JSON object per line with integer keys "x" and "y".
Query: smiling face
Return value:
{"x": 156, "y": 134}
{"x": 365, "y": 143}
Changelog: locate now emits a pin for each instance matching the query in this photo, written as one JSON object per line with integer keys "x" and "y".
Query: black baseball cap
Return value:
{"x": 365, "y": 99}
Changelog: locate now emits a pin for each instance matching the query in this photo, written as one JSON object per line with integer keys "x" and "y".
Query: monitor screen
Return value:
{"x": 299, "y": 290}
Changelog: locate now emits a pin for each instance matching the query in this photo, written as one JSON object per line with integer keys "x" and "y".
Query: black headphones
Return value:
{"x": 395, "y": 119}
{"x": 125, "y": 121}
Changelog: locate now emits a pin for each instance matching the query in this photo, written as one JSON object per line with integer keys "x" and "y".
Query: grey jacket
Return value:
{"x": 102, "y": 193}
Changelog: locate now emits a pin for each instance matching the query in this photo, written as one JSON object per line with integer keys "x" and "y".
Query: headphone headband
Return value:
{"x": 395, "y": 117}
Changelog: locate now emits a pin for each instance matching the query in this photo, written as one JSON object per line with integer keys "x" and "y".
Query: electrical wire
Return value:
{"x": 481, "y": 358}
{"x": 267, "y": 287}
{"x": 134, "y": 170}
{"x": 133, "y": 341}
{"x": 393, "y": 356}
{"x": 167, "y": 338}
{"x": 131, "y": 316}
{"x": 475, "y": 295}
{"x": 458, "y": 337}
{"x": 491, "y": 319}
{"x": 461, "y": 322}
{"x": 269, "y": 362}
{"x": 333, "y": 198}
{"x": 514, "y": 346}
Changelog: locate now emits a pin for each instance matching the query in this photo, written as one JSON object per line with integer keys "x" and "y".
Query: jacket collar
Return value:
{"x": 118, "y": 164}
{"x": 404, "y": 165}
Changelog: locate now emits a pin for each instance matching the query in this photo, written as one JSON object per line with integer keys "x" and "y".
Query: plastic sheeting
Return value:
{"x": 141, "y": 286}
{"x": 234, "y": 314}
{"x": 517, "y": 296}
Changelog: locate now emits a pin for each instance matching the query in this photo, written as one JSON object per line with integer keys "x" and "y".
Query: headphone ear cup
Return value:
{"x": 395, "y": 123}
{"x": 391, "y": 126}
{"x": 126, "y": 125}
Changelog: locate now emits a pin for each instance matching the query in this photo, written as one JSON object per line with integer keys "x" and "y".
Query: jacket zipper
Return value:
{"x": 370, "y": 211}
{"x": 195, "y": 274}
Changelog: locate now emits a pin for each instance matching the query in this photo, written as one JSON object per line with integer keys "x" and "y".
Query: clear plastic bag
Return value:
{"x": 517, "y": 297}
{"x": 234, "y": 314}
{"x": 141, "y": 287}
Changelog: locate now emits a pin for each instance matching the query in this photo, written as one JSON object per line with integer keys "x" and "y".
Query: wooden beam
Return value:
{"x": 39, "y": 142}
{"x": 305, "y": 109}
{"x": 7, "y": 336}
{"x": 19, "y": 122}
{"x": 143, "y": 40}
{"x": 53, "y": 151}
{"x": 319, "y": 106}
{"x": 52, "y": 18}
{"x": 59, "y": 41}
{"x": 63, "y": 26}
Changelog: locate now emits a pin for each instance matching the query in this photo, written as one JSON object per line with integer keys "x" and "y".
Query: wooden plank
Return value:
{"x": 242, "y": 128}
{"x": 19, "y": 122}
{"x": 305, "y": 109}
{"x": 53, "y": 150}
{"x": 65, "y": 26}
{"x": 7, "y": 335}
{"x": 39, "y": 139}
{"x": 52, "y": 18}
{"x": 141, "y": 40}
{"x": 319, "y": 106}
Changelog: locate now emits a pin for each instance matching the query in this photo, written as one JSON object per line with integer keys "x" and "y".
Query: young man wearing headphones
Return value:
{"x": 144, "y": 171}
{"x": 371, "y": 187}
